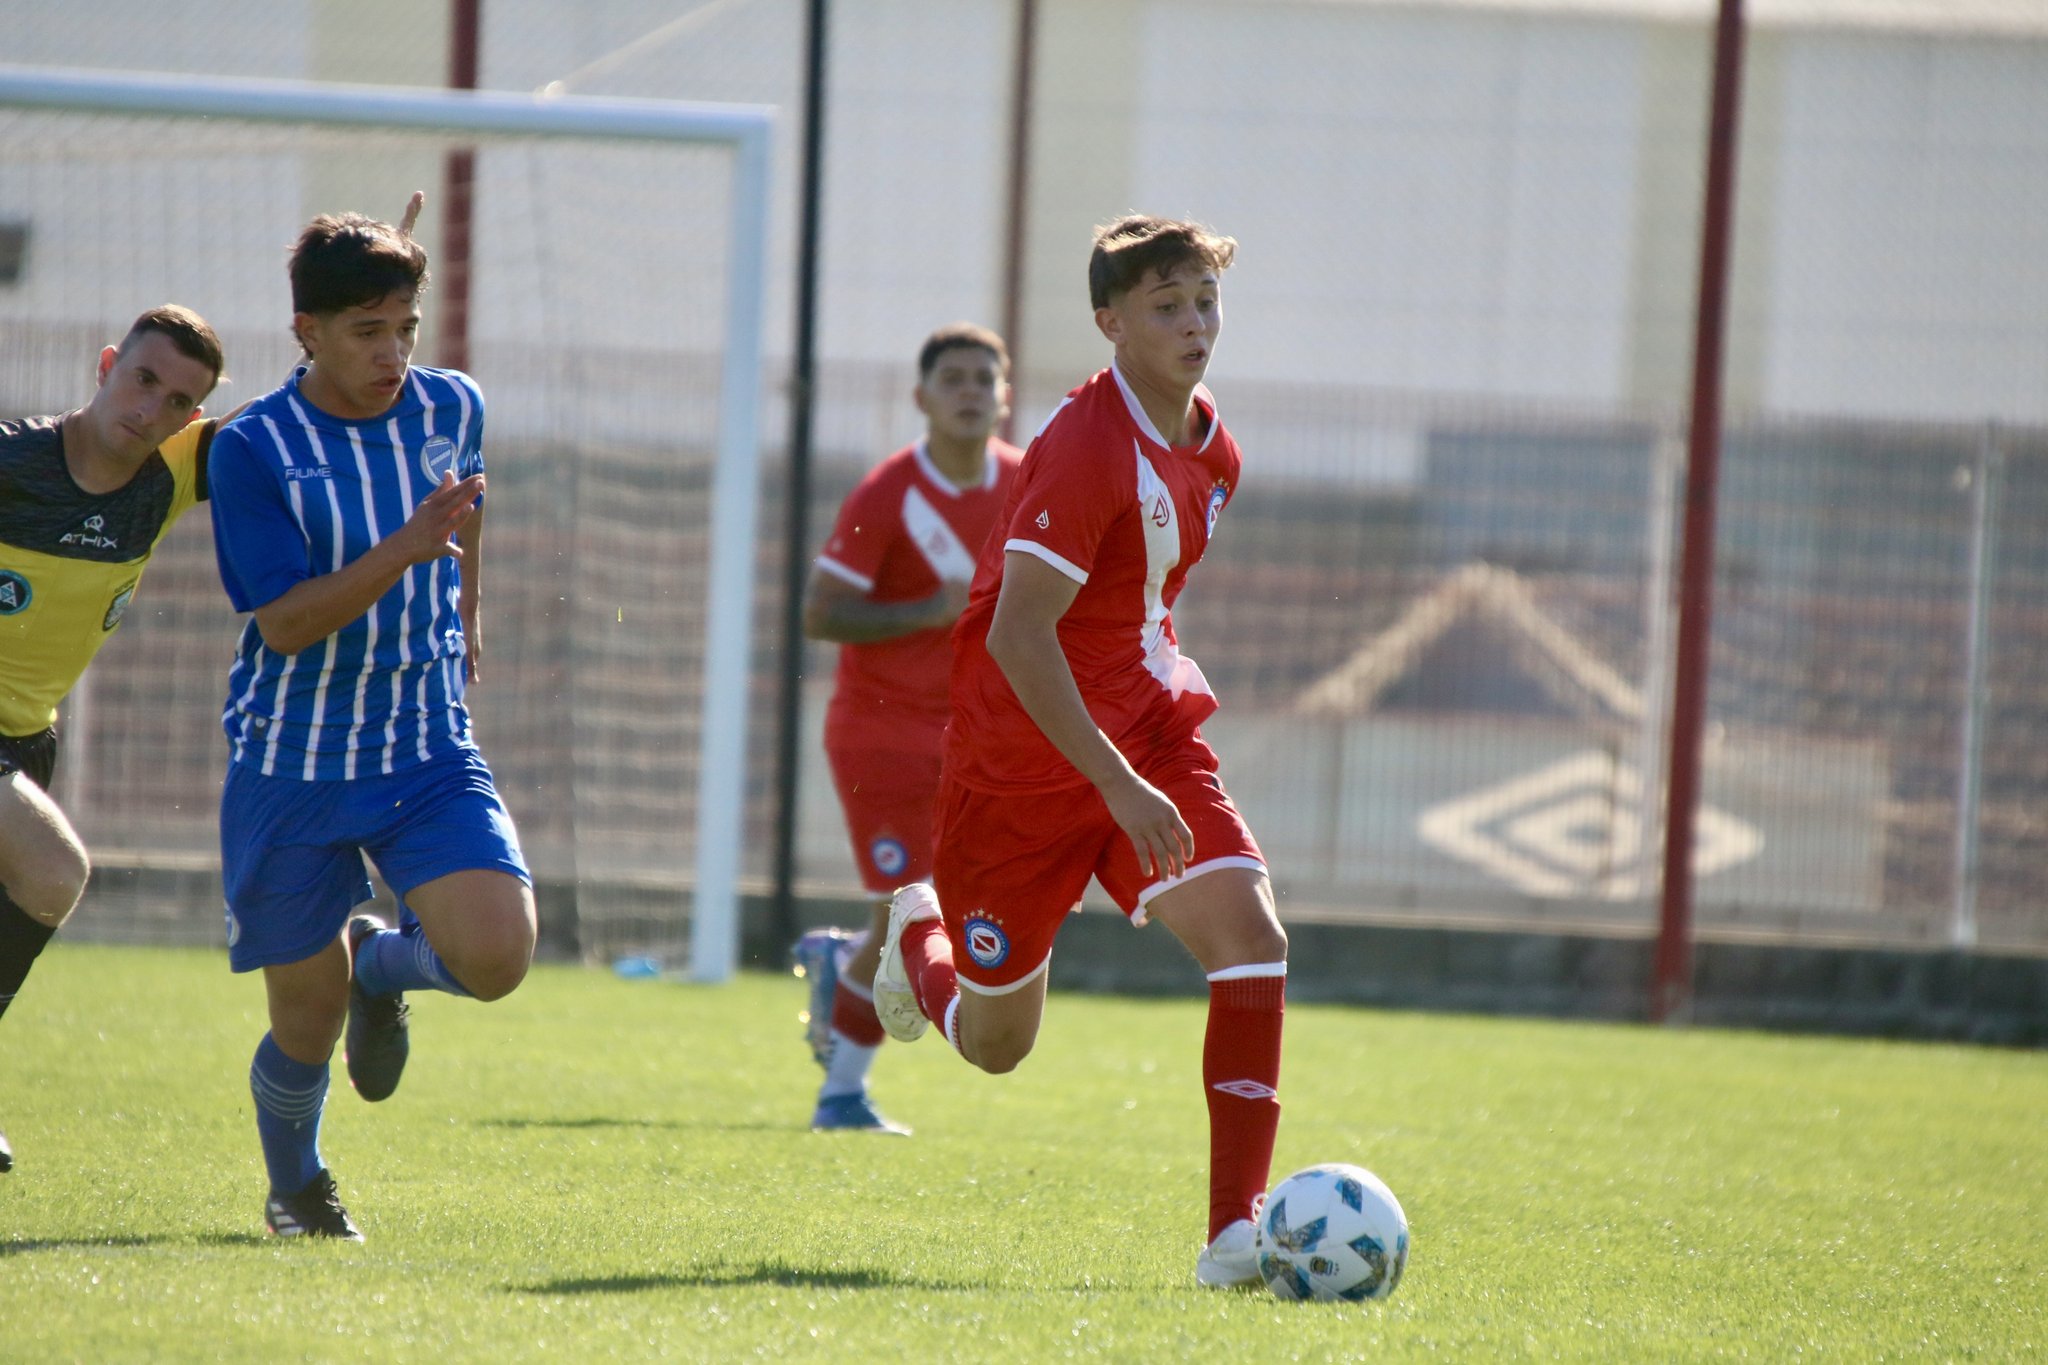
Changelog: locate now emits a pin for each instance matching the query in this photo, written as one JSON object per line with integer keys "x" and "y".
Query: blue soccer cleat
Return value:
{"x": 815, "y": 957}
{"x": 854, "y": 1113}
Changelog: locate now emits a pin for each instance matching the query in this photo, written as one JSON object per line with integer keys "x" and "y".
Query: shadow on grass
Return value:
{"x": 602, "y": 1122}
{"x": 771, "y": 1273}
{"x": 34, "y": 1244}
{"x": 210, "y": 1239}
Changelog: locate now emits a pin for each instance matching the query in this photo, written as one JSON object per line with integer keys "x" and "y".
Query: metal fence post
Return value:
{"x": 1984, "y": 481}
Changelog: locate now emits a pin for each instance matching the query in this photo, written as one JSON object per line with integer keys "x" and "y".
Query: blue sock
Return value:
{"x": 289, "y": 1098}
{"x": 402, "y": 960}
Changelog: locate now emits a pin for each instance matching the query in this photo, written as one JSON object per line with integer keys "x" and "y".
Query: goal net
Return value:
{"x": 613, "y": 280}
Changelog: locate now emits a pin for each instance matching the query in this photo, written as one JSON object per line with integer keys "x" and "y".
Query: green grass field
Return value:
{"x": 605, "y": 1169}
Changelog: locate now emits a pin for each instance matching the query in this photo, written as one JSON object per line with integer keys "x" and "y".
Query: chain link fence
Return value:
{"x": 1440, "y": 612}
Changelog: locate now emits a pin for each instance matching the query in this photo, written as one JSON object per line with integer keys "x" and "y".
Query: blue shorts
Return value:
{"x": 291, "y": 852}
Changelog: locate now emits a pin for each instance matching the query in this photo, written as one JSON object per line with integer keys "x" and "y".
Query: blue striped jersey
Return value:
{"x": 298, "y": 493}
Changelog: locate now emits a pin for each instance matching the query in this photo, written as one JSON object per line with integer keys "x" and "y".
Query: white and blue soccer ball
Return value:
{"x": 1332, "y": 1232}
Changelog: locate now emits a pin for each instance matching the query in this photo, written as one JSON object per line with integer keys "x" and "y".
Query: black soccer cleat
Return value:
{"x": 315, "y": 1211}
{"x": 6, "y": 1154}
{"x": 379, "y": 1039}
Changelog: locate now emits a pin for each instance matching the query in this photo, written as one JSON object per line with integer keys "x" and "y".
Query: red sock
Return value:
{"x": 928, "y": 958}
{"x": 1241, "y": 1073}
{"x": 854, "y": 1016}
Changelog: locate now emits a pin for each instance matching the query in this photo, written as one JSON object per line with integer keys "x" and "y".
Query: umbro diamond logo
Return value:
{"x": 1247, "y": 1090}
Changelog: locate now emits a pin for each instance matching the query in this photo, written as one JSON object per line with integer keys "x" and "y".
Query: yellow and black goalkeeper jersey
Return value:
{"x": 70, "y": 560}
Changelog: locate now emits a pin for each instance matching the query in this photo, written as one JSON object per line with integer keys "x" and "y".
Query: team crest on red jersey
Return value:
{"x": 1218, "y": 495}
{"x": 987, "y": 944}
{"x": 888, "y": 855}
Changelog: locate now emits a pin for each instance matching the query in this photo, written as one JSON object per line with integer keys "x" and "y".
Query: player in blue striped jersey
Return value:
{"x": 348, "y": 520}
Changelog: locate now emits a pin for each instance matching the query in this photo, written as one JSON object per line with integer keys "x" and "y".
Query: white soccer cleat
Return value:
{"x": 895, "y": 1006}
{"x": 1232, "y": 1260}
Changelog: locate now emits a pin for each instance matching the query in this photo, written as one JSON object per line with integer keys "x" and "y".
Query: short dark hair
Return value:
{"x": 187, "y": 331}
{"x": 347, "y": 260}
{"x": 1134, "y": 246}
{"x": 960, "y": 334}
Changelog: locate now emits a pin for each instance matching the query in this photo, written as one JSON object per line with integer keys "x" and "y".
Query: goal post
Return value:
{"x": 730, "y": 503}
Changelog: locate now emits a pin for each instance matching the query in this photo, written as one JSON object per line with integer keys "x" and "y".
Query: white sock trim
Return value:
{"x": 847, "y": 1072}
{"x": 1250, "y": 971}
{"x": 951, "y": 1027}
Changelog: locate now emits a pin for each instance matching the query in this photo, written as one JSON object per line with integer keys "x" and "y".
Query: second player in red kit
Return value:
{"x": 887, "y": 588}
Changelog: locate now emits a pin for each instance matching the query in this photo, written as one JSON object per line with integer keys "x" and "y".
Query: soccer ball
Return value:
{"x": 1332, "y": 1232}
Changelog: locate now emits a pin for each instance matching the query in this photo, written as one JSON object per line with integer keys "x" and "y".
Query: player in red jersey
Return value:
{"x": 1073, "y": 748}
{"x": 887, "y": 589}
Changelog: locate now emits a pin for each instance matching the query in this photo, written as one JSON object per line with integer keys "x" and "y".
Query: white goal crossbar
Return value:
{"x": 714, "y": 936}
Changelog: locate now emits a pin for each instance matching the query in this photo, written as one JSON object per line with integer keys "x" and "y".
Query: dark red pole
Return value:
{"x": 458, "y": 176}
{"x": 1019, "y": 204}
{"x": 1671, "y": 987}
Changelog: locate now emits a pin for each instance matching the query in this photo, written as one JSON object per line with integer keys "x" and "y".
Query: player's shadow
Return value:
{"x": 772, "y": 1272}
{"x": 211, "y": 1239}
{"x": 34, "y": 1244}
{"x": 603, "y": 1121}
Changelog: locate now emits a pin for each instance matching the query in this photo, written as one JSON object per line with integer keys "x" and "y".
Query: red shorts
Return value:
{"x": 887, "y": 796}
{"x": 1009, "y": 869}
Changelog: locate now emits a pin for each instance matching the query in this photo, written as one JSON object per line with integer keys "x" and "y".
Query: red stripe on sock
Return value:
{"x": 1242, "y": 1052}
{"x": 928, "y": 958}
{"x": 856, "y": 1018}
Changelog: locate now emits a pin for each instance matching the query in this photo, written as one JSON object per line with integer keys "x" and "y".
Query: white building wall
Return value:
{"x": 1484, "y": 201}
{"x": 1436, "y": 201}
{"x": 1910, "y": 245}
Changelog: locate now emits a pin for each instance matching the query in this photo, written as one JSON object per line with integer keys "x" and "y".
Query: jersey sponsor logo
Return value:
{"x": 15, "y": 593}
{"x": 1247, "y": 1090}
{"x": 1160, "y": 514}
{"x": 986, "y": 942}
{"x": 92, "y": 533}
{"x": 1217, "y": 497}
{"x": 118, "y": 608}
{"x": 437, "y": 457}
{"x": 308, "y": 471}
{"x": 1044, "y": 520}
{"x": 888, "y": 855}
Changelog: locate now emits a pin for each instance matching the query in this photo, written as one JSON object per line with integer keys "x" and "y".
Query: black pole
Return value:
{"x": 797, "y": 521}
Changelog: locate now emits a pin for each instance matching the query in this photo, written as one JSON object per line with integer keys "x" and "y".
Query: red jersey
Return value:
{"x": 1104, "y": 500}
{"x": 903, "y": 530}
